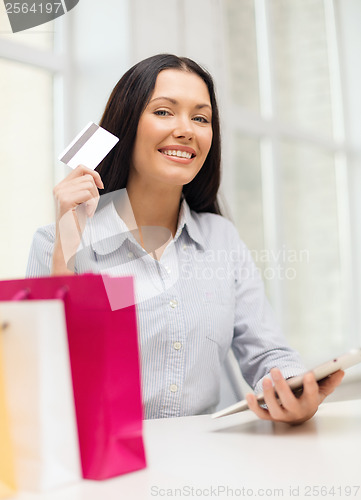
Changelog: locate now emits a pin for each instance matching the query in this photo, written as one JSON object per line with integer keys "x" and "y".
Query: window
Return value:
{"x": 291, "y": 162}
{"x": 31, "y": 70}
{"x": 26, "y": 155}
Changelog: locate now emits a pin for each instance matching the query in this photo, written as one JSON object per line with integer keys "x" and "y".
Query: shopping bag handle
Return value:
{"x": 25, "y": 293}
{"x": 61, "y": 292}
{"x": 22, "y": 294}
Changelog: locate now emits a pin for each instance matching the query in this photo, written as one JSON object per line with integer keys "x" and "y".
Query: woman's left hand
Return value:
{"x": 289, "y": 408}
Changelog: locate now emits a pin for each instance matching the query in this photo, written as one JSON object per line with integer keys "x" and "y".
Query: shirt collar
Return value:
{"x": 189, "y": 220}
{"x": 107, "y": 231}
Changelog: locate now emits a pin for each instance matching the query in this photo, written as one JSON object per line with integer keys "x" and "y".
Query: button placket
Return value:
{"x": 174, "y": 358}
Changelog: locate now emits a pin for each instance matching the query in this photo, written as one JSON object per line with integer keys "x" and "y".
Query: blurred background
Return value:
{"x": 288, "y": 79}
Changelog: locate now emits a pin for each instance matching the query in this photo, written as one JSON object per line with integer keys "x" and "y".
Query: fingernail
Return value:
{"x": 249, "y": 398}
{"x": 276, "y": 374}
{"x": 309, "y": 377}
{"x": 267, "y": 383}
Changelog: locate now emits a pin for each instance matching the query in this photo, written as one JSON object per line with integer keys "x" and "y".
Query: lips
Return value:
{"x": 177, "y": 151}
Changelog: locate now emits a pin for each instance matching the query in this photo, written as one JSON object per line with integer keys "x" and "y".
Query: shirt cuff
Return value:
{"x": 287, "y": 372}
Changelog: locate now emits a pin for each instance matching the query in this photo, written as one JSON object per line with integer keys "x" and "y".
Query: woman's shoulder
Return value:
{"x": 41, "y": 251}
{"x": 213, "y": 219}
{"x": 46, "y": 232}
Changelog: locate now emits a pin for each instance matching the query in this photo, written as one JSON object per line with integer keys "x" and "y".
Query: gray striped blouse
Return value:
{"x": 203, "y": 296}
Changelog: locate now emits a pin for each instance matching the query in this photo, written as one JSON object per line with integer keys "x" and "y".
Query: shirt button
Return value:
{"x": 185, "y": 247}
{"x": 167, "y": 269}
{"x": 173, "y": 303}
{"x": 130, "y": 255}
{"x": 173, "y": 388}
{"x": 177, "y": 346}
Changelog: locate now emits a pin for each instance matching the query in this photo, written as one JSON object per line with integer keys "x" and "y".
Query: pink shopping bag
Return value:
{"x": 104, "y": 358}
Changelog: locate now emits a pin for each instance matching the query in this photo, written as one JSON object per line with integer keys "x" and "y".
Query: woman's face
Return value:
{"x": 174, "y": 132}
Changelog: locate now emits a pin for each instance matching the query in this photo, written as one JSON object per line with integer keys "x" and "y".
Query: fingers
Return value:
{"x": 327, "y": 386}
{"x": 274, "y": 409}
{"x": 254, "y": 406}
{"x": 83, "y": 170}
{"x": 287, "y": 398}
{"x": 285, "y": 406}
{"x": 80, "y": 186}
{"x": 309, "y": 400}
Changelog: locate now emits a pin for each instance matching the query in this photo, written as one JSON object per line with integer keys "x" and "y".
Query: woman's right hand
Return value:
{"x": 80, "y": 186}
{"x": 76, "y": 198}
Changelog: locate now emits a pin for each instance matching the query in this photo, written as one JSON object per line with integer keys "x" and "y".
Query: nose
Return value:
{"x": 183, "y": 129}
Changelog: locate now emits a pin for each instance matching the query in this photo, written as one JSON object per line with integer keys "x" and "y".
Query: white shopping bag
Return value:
{"x": 39, "y": 394}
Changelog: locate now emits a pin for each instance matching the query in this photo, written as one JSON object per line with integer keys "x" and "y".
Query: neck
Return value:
{"x": 155, "y": 206}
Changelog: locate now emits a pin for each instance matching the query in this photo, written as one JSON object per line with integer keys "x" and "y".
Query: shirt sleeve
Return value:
{"x": 258, "y": 341}
{"x": 41, "y": 252}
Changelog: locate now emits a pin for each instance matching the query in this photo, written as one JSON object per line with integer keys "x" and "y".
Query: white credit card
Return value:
{"x": 89, "y": 147}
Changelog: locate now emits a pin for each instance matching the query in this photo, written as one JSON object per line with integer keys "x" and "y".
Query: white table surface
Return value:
{"x": 239, "y": 457}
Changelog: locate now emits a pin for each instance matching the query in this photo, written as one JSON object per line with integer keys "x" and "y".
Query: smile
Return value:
{"x": 181, "y": 154}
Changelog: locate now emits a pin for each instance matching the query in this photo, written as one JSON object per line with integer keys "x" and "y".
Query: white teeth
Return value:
{"x": 174, "y": 152}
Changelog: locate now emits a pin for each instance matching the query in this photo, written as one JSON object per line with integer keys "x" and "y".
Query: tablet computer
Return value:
{"x": 296, "y": 383}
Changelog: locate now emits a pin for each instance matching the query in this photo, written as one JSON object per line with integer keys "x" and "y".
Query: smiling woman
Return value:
{"x": 159, "y": 221}
{"x": 141, "y": 91}
{"x": 173, "y": 139}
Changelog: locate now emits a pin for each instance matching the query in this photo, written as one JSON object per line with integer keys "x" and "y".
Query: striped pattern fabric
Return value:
{"x": 202, "y": 297}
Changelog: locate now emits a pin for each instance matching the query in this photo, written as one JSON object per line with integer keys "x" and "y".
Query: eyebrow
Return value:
{"x": 173, "y": 101}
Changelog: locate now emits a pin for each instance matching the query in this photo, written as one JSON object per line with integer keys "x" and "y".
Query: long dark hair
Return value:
{"x": 126, "y": 103}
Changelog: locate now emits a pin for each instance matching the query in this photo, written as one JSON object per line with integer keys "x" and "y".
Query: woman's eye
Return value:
{"x": 201, "y": 119}
{"x": 161, "y": 112}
